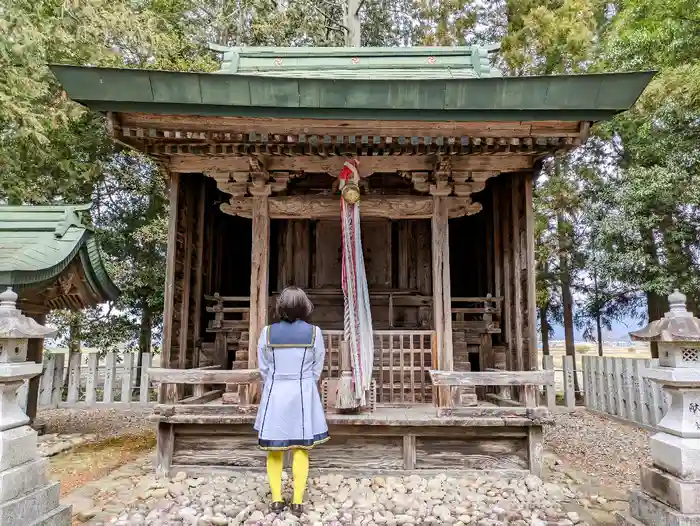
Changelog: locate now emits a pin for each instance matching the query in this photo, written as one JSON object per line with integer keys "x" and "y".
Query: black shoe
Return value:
{"x": 297, "y": 510}
{"x": 277, "y": 507}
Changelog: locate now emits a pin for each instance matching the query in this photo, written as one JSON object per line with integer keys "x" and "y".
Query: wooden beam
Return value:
{"x": 190, "y": 224}
{"x": 164, "y": 450}
{"x": 442, "y": 296}
{"x": 531, "y": 274}
{"x": 203, "y": 376}
{"x": 333, "y": 127}
{"x": 516, "y": 181}
{"x": 507, "y": 326}
{"x": 497, "y": 246}
{"x": 169, "y": 307}
{"x": 199, "y": 270}
{"x": 323, "y": 207}
{"x": 469, "y": 379}
{"x": 259, "y": 275}
{"x": 368, "y": 165}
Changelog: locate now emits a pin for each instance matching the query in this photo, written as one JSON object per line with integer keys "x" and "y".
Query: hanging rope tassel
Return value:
{"x": 352, "y": 390}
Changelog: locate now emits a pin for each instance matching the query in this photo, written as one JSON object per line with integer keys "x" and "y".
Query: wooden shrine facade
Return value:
{"x": 448, "y": 151}
{"x": 429, "y": 257}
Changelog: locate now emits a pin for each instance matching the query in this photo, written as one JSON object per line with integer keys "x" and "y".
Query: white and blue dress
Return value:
{"x": 290, "y": 358}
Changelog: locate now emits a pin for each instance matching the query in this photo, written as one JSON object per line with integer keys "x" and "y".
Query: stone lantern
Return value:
{"x": 26, "y": 495}
{"x": 670, "y": 488}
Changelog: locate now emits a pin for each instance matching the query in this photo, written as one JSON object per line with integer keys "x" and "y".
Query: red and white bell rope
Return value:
{"x": 358, "y": 317}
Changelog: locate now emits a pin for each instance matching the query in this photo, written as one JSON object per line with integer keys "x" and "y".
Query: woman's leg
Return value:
{"x": 275, "y": 465}
{"x": 300, "y": 471}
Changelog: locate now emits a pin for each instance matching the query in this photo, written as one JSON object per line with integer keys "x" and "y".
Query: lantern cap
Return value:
{"x": 14, "y": 324}
{"x": 677, "y": 325}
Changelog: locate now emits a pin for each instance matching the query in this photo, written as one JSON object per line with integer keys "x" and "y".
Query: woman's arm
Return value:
{"x": 319, "y": 354}
{"x": 264, "y": 357}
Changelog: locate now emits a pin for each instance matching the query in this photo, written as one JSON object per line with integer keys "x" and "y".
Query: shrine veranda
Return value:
{"x": 448, "y": 150}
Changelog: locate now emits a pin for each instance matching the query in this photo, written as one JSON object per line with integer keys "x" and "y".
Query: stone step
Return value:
{"x": 648, "y": 510}
{"x": 60, "y": 516}
{"x": 29, "y": 507}
{"x": 625, "y": 519}
{"x": 17, "y": 446}
{"x": 23, "y": 479}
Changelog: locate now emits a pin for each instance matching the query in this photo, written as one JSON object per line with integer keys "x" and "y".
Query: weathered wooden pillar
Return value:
{"x": 531, "y": 274}
{"x": 259, "y": 272}
{"x": 442, "y": 295}
{"x": 516, "y": 181}
{"x": 506, "y": 261}
{"x": 198, "y": 274}
{"x": 167, "y": 393}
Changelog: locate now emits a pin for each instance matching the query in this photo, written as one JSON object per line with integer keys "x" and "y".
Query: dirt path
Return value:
{"x": 89, "y": 462}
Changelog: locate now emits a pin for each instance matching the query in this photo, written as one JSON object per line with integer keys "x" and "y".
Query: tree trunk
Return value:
{"x": 544, "y": 330}
{"x": 567, "y": 297}
{"x": 654, "y": 301}
{"x": 599, "y": 329}
{"x": 145, "y": 333}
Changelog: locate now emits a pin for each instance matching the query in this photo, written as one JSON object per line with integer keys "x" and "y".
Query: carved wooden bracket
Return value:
{"x": 318, "y": 207}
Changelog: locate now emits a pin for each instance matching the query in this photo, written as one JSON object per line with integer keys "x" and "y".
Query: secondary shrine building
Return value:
{"x": 448, "y": 149}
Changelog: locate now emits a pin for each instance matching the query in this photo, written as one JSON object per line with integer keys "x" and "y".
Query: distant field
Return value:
{"x": 633, "y": 350}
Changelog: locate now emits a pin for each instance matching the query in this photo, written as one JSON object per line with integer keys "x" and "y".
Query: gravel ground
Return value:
{"x": 103, "y": 423}
{"x": 336, "y": 500}
{"x": 599, "y": 447}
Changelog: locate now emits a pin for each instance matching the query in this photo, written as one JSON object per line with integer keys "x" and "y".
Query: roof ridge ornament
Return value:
{"x": 72, "y": 218}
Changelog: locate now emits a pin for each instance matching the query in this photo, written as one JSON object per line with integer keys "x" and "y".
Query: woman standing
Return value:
{"x": 290, "y": 357}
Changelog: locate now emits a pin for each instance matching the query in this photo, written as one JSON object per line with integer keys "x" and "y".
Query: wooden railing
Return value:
{"x": 477, "y": 313}
{"x": 230, "y": 312}
{"x": 451, "y": 383}
{"x": 402, "y": 360}
{"x": 206, "y": 382}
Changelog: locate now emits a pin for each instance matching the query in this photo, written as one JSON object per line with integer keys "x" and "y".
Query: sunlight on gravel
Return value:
{"x": 102, "y": 423}
{"x": 600, "y": 447}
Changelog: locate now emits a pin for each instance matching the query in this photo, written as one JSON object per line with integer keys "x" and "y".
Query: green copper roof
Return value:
{"x": 566, "y": 97}
{"x": 37, "y": 243}
{"x": 359, "y": 63}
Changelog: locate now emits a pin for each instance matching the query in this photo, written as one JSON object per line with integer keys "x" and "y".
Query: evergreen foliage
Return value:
{"x": 617, "y": 221}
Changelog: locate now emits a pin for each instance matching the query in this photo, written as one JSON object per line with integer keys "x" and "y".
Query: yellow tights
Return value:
{"x": 300, "y": 472}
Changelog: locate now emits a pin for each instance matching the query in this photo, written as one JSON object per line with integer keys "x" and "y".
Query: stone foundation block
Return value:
{"x": 61, "y": 516}
{"x": 625, "y": 519}
{"x": 29, "y": 507}
{"x": 678, "y": 456}
{"x": 17, "y": 446}
{"x": 23, "y": 479}
{"x": 679, "y": 494}
{"x": 652, "y": 512}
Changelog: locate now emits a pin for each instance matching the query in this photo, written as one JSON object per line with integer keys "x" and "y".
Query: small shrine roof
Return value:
{"x": 677, "y": 325}
{"x": 38, "y": 243}
{"x": 344, "y": 93}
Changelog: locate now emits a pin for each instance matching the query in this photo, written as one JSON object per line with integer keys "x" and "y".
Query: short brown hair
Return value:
{"x": 293, "y": 304}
